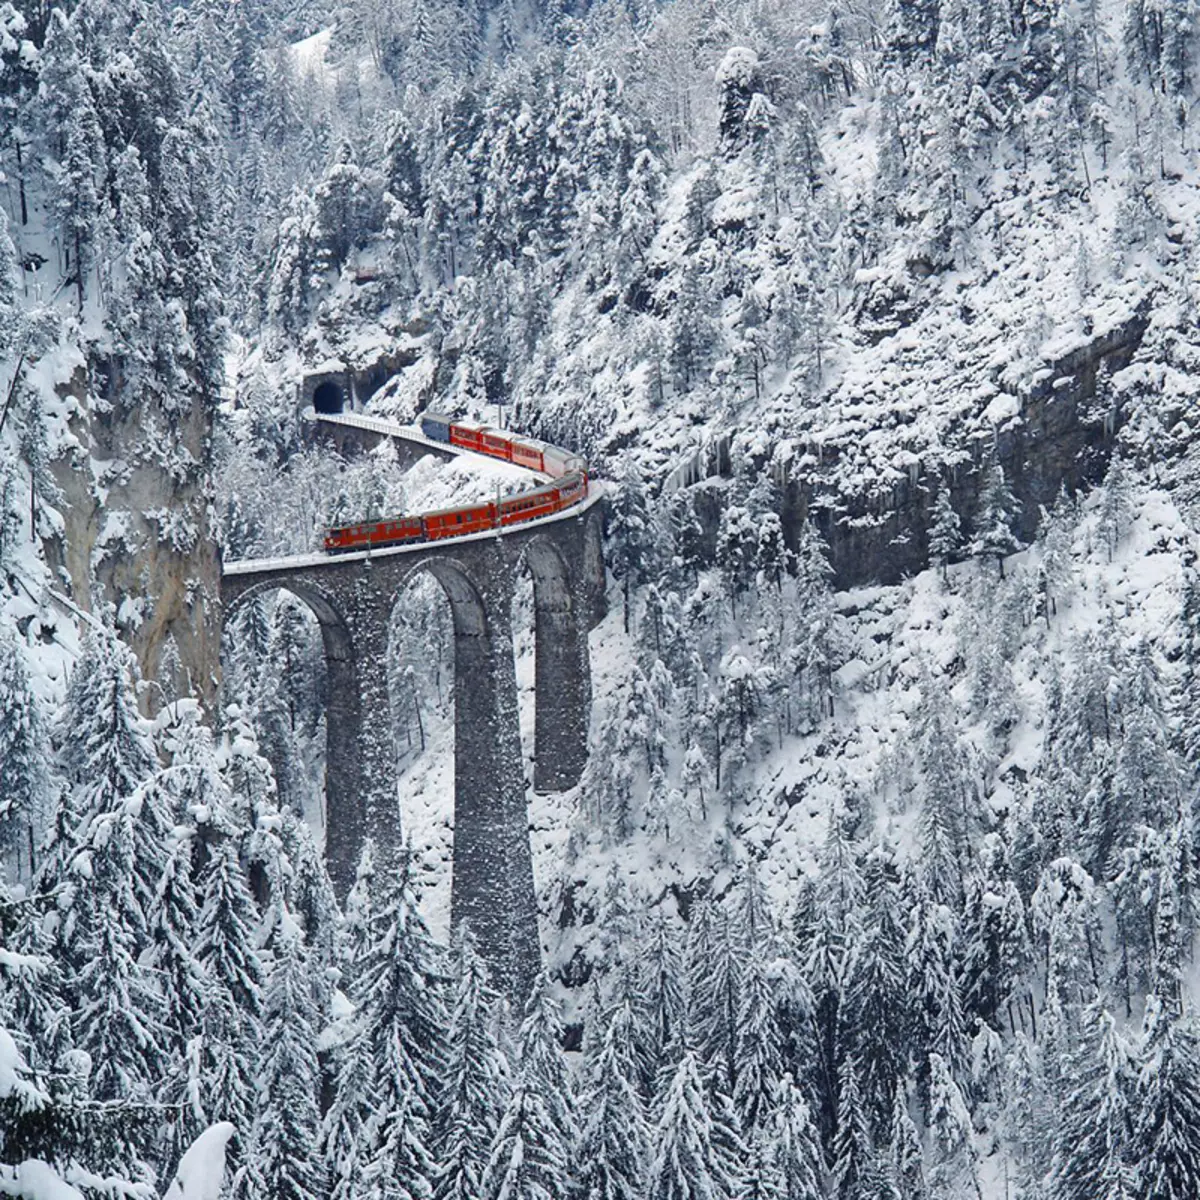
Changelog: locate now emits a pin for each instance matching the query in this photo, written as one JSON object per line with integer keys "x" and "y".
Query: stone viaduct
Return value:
{"x": 352, "y": 597}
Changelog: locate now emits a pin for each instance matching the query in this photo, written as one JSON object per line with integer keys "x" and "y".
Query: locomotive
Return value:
{"x": 567, "y": 485}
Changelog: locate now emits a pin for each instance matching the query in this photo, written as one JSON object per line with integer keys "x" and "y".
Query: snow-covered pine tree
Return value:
{"x": 998, "y": 509}
{"x": 1093, "y": 1141}
{"x": 1166, "y": 1143}
{"x": 875, "y": 1016}
{"x": 174, "y": 932}
{"x": 797, "y": 1147}
{"x": 228, "y": 953}
{"x": 281, "y": 1161}
{"x": 686, "y": 1163}
{"x": 477, "y": 1080}
{"x": 24, "y": 782}
{"x": 531, "y": 1152}
{"x": 631, "y": 532}
{"x": 945, "y": 533}
{"x": 657, "y": 984}
{"x": 402, "y": 1018}
{"x": 1116, "y": 506}
{"x": 612, "y": 1147}
{"x": 758, "y": 1046}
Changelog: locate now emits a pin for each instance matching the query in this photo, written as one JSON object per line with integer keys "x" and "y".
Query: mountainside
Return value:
{"x": 881, "y": 326}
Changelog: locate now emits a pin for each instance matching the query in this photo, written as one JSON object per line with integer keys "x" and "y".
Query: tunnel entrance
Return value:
{"x": 329, "y": 398}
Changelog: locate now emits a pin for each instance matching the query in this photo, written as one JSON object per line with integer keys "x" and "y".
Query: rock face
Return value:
{"x": 1061, "y": 436}
{"x": 136, "y": 502}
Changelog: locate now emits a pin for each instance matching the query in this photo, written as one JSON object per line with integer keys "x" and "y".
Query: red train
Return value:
{"x": 568, "y": 486}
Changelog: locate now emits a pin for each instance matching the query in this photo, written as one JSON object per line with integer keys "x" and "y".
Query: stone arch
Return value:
{"x": 329, "y": 397}
{"x": 345, "y": 815}
{"x": 466, "y": 601}
{"x": 335, "y": 631}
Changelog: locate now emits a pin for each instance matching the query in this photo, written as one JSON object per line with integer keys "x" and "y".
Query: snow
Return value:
{"x": 36, "y": 1180}
{"x": 201, "y": 1173}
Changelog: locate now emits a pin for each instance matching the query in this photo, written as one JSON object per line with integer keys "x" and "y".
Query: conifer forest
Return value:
{"x": 868, "y": 335}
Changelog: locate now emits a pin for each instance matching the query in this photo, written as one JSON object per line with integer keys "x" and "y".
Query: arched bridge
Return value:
{"x": 352, "y": 597}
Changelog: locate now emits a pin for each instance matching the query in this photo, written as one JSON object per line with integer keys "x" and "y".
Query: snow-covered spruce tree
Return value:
{"x": 657, "y": 984}
{"x": 686, "y": 1162}
{"x": 531, "y": 1151}
{"x": 758, "y": 1047}
{"x": 282, "y": 1161}
{"x": 945, "y": 533}
{"x": 998, "y": 509}
{"x": 232, "y": 1023}
{"x": 612, "y": 1147}
{"x": 402, "y": 1026}
{"x": 876, "y": 1015}
{"x": 111, "y": 846}
{"x": 632, "y": 537}
{"x": 1166, "y": 1145}
{"x": 174, "y": 932}
{"x": 797, "y": 1148}
{"x": 476, "y": 1089}
{"x": 856, "y": 1171}
{"x": 1116, "y": 506}
{"x": 1093, "y": 1142}
{"x": 24, "y": 783}
{"x": 950, "y": 1124}
{"x": 830, "y": 926}
{"x": 714, "y": 995}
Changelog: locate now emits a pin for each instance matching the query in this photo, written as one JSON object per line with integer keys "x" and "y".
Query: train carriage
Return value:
{"x": 528, "y": 453}
{"x": 455, "y": 522}
{"x": 496, "y": 443}
{"x": 436, "y": 426}
{"x": 561, "y": 462}
{"x": 468, "y": 435}
{"x": 376, "y": 533}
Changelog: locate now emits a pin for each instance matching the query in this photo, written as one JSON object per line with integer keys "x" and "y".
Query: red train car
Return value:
{"x": 528, "y": 453}
{"x": 379, "y": 533}
{"x": 454, "y": 522}
{"x": 468, "y": 435}
{"x": 497, "y": 443}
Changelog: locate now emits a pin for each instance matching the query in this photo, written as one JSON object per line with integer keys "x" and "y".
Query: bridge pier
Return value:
{"x": 360, "y": 756}
{"x": 562, "y": 698}
{"x": 492, "y": 888}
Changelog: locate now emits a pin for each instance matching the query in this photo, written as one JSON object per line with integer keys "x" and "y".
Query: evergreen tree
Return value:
{"x": 797, "y": 1147}
{"x": 287, "y": 1120}
{"x": 476, "y": 1090}
{"x": 631, "y": 532}
{"x": 1167, "y": 1130}
{"x": 945, "y": 534}
{"x": 403, "y": 1022}
{"x": 1093, "y": 1142}
{"x": 232, "y": 1028}
{"x": 611, "y": 1152}
{"x": 685, "y": 1163}
{"x": 24, "y": 785}
{"x": 994, "y": 537}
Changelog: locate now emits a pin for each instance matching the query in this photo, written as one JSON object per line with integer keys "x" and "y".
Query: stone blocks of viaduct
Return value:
{"x": 352, "y": 599}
